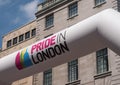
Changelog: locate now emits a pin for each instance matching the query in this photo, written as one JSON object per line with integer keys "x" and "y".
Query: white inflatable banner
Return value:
{"x": 99, "y": 31}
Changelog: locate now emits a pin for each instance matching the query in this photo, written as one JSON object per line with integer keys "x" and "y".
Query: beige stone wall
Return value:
{"x": 87, "y": 64}
{"x": 59, "y": 75}
{"x": 6, "y": 51}
{"x": 25, "y": 81}
{"x": 86, "y": 8}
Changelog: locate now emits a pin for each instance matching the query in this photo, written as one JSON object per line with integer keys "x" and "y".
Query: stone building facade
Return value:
{"x": 98, "y": 68}
{"x": 18, "y": 39}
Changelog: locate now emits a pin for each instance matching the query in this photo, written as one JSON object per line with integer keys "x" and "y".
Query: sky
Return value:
{"x": 16, "y": 13}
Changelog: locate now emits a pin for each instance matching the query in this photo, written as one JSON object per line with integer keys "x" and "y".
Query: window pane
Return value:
{"x": 9, "y": 43}
{"x": 97, "y": 2}
{"x": 21, "y": 37}
{"x": 48, "y": 77}
{"x": 33, "y": 32}
{"x": 73, "y": 10}
{"x": 14, "y": 40}
{"x": 102, "y": 60}
{"x": 49, "y": 20}
{"x": 73, "y": 70}
{"x": 27, "y": 35}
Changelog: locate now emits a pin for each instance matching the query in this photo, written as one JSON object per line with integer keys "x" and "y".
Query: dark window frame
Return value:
{"x": 99, "y": 2}
{"x": 73, "y": 10}
{"x": 102, "y": 61}
{"x": 49, "y": 21}
{"x": 47, "y": 77}
{"x": 33, "y": 32}
{"x": 15, "y": 40}
{"x": 9, "y": 43}
{"x": 73, "y": 70}
{"x": 27, "y": 35}
{"x": 21, "y": 38}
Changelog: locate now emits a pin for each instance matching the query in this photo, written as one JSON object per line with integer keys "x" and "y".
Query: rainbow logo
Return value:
{"x": 23, "y": 60}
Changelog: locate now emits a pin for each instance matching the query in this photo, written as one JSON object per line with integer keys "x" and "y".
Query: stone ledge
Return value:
{"x": 102, "y": 75}
{"x": 76, "y": 82}
{"x": 49, "y": 27}
{"x": 72, "y": 16}
{"x": 51, "y": 7}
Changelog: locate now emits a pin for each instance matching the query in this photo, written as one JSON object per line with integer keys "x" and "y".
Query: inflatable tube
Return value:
{"x": 99, "y": 31}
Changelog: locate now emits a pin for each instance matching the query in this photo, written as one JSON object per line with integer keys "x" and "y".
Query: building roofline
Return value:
{"x": 18, "y": 28}
{"x": 50, "y": 8}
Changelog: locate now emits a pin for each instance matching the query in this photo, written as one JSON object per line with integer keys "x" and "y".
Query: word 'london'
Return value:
{"x": 50, "y": 47}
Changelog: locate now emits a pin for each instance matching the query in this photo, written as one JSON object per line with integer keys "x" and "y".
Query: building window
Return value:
{"x": 73, "y": 10}
{"x": 102, "y": 61}
{"x": 33, "y": 32}
{"x": 21, "y": 37}
{"x": 49, "y": 21}
{"x": 73, "y": 70}
{"x": 98, "y": 2}
{"x": 27, "y": 35}
{"x": 14, "y": 40}
{"x": 9, "y": 43}
{"x": 48, "y": 77}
